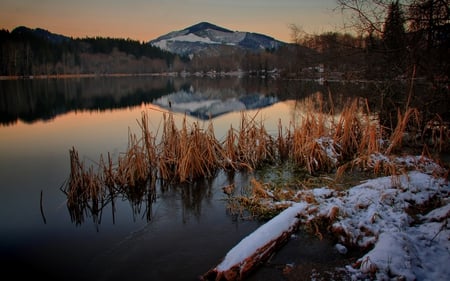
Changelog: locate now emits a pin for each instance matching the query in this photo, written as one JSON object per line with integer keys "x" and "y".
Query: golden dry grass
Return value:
{"x": 317, "y": 141}
{"x": 411, "y": 117}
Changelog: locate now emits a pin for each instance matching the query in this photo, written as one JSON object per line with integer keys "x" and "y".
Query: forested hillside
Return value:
{"x": 25, "y": 51}
{"x": 399, "y": 47}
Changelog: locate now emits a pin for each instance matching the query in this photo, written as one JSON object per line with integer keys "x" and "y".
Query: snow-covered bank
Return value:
{"x": 402, "y": 221}
{"x": 375, "y": 213}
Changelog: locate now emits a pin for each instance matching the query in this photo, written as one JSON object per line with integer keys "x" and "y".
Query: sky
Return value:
{"x": 144, "y": 20}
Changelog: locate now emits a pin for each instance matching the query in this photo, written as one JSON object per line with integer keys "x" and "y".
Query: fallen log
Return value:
{"x": 257, "y": 247}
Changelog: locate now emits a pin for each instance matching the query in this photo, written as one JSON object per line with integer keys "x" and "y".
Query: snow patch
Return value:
{"x": 375, "y": 215}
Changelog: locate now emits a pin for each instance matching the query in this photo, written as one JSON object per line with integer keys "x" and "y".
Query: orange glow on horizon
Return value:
{"x": 144, "y": 21}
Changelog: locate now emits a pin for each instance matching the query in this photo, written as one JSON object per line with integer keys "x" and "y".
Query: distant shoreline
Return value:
{"x": 87, "y": 75}
{"x": 210, "y": 73}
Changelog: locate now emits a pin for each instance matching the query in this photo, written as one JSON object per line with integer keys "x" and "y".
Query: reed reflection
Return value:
{"x": 134, "y": 175}
{"x": 31, "y": 100}
{"x": 132, "y": 178}
{"x": 193, "y": 195}
{"x": 89, "y": 192}
{"x": 318, "y": 142}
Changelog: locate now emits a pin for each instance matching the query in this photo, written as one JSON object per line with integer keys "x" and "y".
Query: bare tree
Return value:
{"x": 427, "y": 25}
{"x": 365, "y": 17}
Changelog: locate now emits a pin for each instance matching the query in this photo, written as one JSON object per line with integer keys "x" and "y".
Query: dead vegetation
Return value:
{"x": 318, "y": 142}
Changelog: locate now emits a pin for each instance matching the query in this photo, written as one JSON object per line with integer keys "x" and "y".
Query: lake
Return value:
{"x": 181, "y": 233}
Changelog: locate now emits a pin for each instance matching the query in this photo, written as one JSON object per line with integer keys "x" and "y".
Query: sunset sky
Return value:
{"x": 145, "y": 20}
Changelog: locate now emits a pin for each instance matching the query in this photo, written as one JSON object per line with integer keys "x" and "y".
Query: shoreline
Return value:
{"x": 86, "y": 75}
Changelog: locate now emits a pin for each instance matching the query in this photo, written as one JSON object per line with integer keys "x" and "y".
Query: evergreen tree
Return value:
{"x": 394, "y": 40}
{"x": 430, "y": 30}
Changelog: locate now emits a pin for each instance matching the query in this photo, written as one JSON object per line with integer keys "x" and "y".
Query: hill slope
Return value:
{"x": 208, "y": 38}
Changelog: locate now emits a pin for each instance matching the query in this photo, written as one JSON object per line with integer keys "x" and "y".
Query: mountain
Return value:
{"x": 41, "y": 33}
{"x": 209, "y": 39}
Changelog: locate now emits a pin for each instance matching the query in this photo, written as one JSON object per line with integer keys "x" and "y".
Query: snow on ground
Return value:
{"x": 374, "y": 215}
{"x": 193, "y": 38}
{"x": 163, "y": 44}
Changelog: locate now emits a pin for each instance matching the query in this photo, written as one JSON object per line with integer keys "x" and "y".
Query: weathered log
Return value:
{"x": 257, "y": 247}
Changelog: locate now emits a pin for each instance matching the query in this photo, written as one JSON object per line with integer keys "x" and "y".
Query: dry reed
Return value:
{"x": 317, "y": 142}
{"x": 282, "y": 143}
{"x": 396, "y": 139}
{"x": 348, "y": 130}
{"x": 168, "y": 148}
{"x": 249, "y": 147}
{"x": 310, "y": 143}
{"x": 84, "y": 190}
{"x": 372, "y": 134}
{"x": 230, "y": 150}
{"x": 188, "y": 154}
{"x": 199, "y": 153}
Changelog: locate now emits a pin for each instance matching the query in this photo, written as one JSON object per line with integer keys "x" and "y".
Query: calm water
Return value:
{"x": 181, "y": 235}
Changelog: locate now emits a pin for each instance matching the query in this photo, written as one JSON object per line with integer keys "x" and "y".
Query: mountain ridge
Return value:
{"x": 202, "y": 39}
{"x": 41, "y": 33}
{"x": 209, "y": 39}
{"x": 205, "y": 25}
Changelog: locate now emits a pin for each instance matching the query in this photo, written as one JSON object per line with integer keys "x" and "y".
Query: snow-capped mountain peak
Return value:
{"x": 206, "y": 38}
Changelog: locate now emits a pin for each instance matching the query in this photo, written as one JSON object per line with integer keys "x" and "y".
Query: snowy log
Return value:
{"x": 257, "y": 247}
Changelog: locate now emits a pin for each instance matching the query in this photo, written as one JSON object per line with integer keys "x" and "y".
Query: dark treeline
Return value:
{"x": 25, "y": 51}
{"x": 28, "y": 52}
{"x": 401, "y": 38}
{"x": 389, "y": 40}
{"x": 30, "y": 100}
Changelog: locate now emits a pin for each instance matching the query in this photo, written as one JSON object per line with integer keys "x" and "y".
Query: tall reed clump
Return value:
{"x": 169, "y": 148}
{"x": 149, "y": 142}
{"x": 133, "y": 176}
{"x": 283, "y": 142}
{"x": 372, "y": 133}
{"x": 311, "y": 143}
{"x": 200, "y": 154}
{"x": 133, "y": 169}
{"x": 230, "y": 150}
{"x": 318, "y": 141}
{"x": 84, "y": 190}
{"x": 249, "y": 147}
{"x": 411, "y": 117}
{"x": 188, "y": 154}
{"x": 349, "y": 130}
{"x": 361, "y": 136}
{"x": 136, "y": 169}
{"x": 367, "y": 145}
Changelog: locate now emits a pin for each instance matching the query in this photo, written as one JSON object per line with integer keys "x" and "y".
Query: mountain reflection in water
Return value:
{"x": 143, "y": 235}
{"x": 31, "y": 100}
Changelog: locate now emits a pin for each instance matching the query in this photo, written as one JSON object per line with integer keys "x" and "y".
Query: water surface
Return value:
{"x": 180, "y": 235}
{"x": 184, "y": 232}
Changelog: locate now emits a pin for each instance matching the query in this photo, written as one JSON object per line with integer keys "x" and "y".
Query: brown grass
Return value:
{"x": 317, "y": 142}
{"x": 190, "y": 153}
{"x": 254, "y": 146}
{"x": 396, "y": 139}
{"x": 348, "y": 130}
{"x": 168, "y": 148}
{"x": 84, "y": 190}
